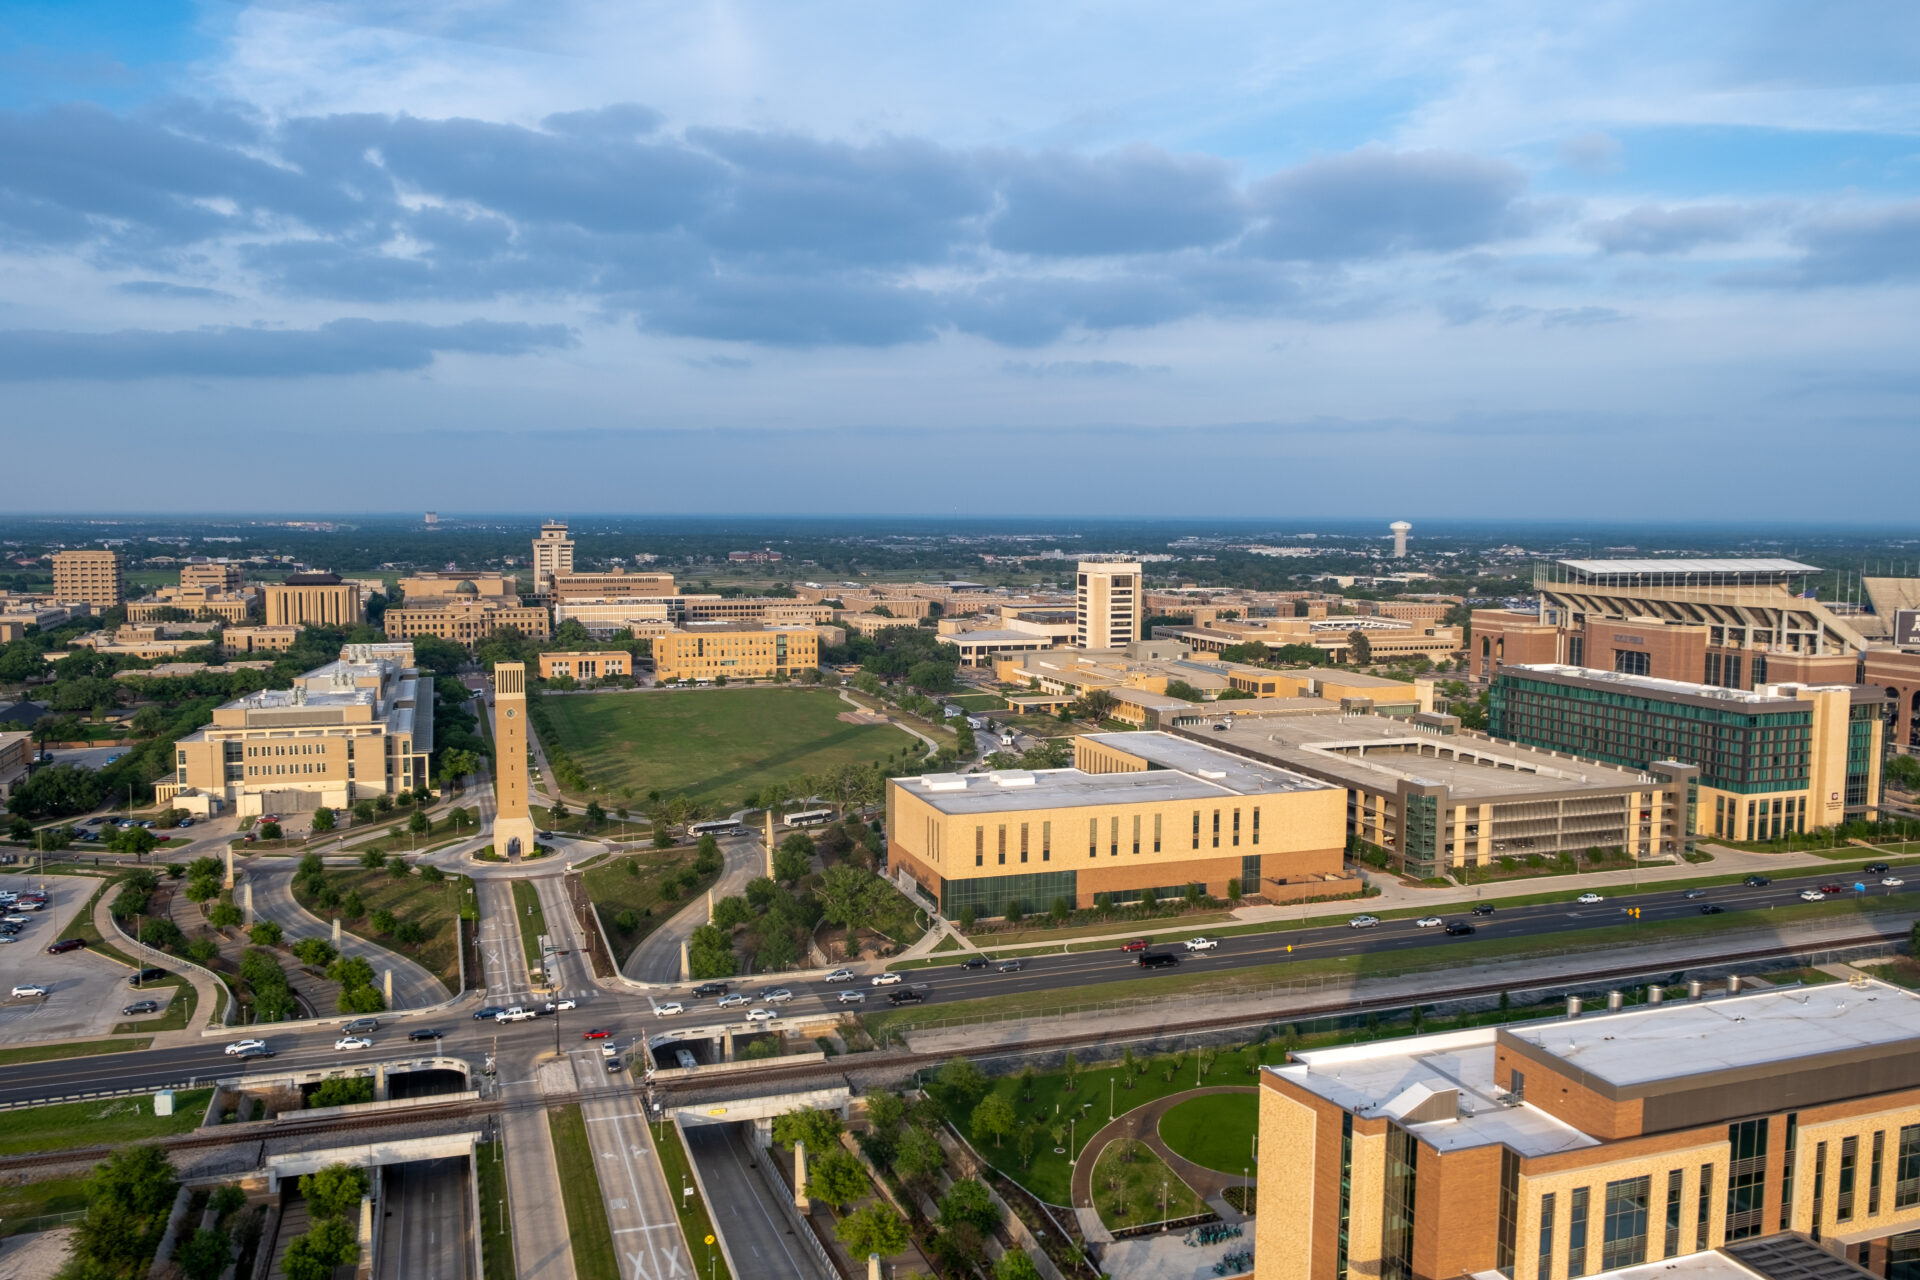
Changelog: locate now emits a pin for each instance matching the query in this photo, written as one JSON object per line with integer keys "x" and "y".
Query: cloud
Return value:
{"x": 729, "y": 363}
{"x": 1137, "y": 200}
{"x": 1462, "y": 311}
{"x": 1593, "y": 153}
{"x": 1651, "y": 229}
{"x": 338, "y": 347}
{"x": 1374, "y": 202}
{"x": 1860, "y": 247}
{"x": 167, "y": 289}
{"x": 1080, "y": 369}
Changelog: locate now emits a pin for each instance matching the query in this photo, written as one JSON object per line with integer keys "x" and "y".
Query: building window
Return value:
{"x": 1906, "y": 1172}
{"x": 1544, "y": 1269}
{"x": 1196, "y": 828}
{"x": 1156, "y": 833}
{"x": 1509, "y": 1212}
{"x": 1746, "y": 1178}
{"x": 1249, "y": 873}
{"x": 1819, "y": 1187}
{"x": 1786, "y": 1175}
{"x": 1577, "y": 1233}
{"x": 1843, "y": 1189}
{"x": 1023, "y": 842}
{"x": 1671, "y": 1244}
{"x": 1136, "y": 834}
{"x": 1632, "y": 662}
{"x": 1236, "y": 828}
{"x": 979, "y": 846}
{"x": 1046, "y": 842}
{"x": 1704, "y": 1218}
{"x": 1256, "y": 826}
{"x": 1216, "y": 828}
{"x": 1396, "y": 1232}
{"x": 1623, "y": 1241}
{"x": 1873, "y": 1174}
{"x": 1346, "y": 1178}
{"x": 1093, "y": 837}
{"x": 1113, "y": 836}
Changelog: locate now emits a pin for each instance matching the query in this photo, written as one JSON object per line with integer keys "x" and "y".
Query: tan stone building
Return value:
{"x": 258, "y": 639}
{"x": 710, "y": 650}
{"x": 615, "y": 585}
{"x": 586, "y": 665}
{"x": 312, "y": 600}
{"x": 345, "y": 732}
{"x": 215, "y": 575}
{"x": 552, "y": 557}
{"x": 200, "y": 602}
{"x": 1107, "y": 604}
{"x": 16, "y": 755}
{"x": 467, "y": 621}
{"x": 98, "y": 578}
{"x": 1572, "y": 1147}
{"x": 1137, "y": 811}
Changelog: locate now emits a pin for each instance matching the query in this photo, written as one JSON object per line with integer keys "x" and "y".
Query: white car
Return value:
{"x": 885, "y": 979}
{"x": 557, "y": 1006}
{"x": 839, "y": 975}
{"x": 853, "y": 997}
{"x": 353, "y": 1042}
{"x": 7, "y": 937}
{"x": 16, "y": 919}
{"x": 779, "y": 995}
{"x": 1429, "y": 922}
{"x": 1202, "y": 944}
{"x": 734, "y": 1001}
{"x": 1892, "y": 882}
{"x": 1812, "y": 895}
{"x": 609, "y": 1050}
{"x": 759, "y": 1015}
{"x": 1588, "y": 899}
{"x": 1363, "y": 922}
{"x": 668, "y": 1009}
{"x": 29, "y": 991}
{"x": 242, "y": 1046}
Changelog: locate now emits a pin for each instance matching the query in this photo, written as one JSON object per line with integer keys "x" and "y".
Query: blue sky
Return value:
{"x": 1630, "y": 260}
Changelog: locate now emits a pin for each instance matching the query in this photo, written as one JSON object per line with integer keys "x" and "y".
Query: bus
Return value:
{"x": 723, "y": 827}
{"x": 809, "y": 818}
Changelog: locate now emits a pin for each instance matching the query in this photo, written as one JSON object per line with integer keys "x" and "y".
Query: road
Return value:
{"x": 428, "y": 1230}
{"x": 657, "y": 958}
{"x": 413, "y": 986}
{"x": 641, "y": 1209}
{"x": 759, "y": 1233}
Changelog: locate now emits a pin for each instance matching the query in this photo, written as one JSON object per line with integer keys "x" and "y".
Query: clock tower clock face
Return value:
{"x": 509, "y": 713}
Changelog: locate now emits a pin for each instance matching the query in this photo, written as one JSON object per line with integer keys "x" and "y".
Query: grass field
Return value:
{"x": 593, "y": 1255}
{"x": 433, "y": 906}
{"x": 21, "y": 1206}
{"x": 113, "y": 1122}
{"x": 1214, "y": 1130}
{"x": 715, "y": 745}
{"x": 633, "y": 883}
{"x": 85, "y": 1049}
{"x": 496, "y": 1228}
{"x": 1130, "y": 1193}
{"x": 532, "y": 920}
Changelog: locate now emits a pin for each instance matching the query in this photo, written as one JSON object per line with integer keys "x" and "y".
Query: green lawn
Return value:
{"x": 696, "y": 1224}
{"x": 112, "y": 1122}
{"x": 633, "y": 883}
{"x": 1214, "y": 1130}
{"x": 496, "y": 1225}
{"x": 20, "y": 1206}
{"x": 977, "y": 701}
{"x": 433, "y": 906}
{"x": 85, "y": 1049}
{"x": 175, "y": 1017}
{"x": 593, "y": 1255}
{"x": 716, "y": 745}
{"x": 1140, "y": 1188}
{"x": 532, "y": 921}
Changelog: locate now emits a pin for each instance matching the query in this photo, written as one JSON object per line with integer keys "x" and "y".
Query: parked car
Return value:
{"x": 1757, "y": 881}
{"x": 65, "y": 945}
{"x": 1456, "y": 928}
{"x": 29, "y": 991}
{"x": 668, "y": 1009}
{"x": 1137, "y": 944}
{"x": 839, "y": 975}
{"x": 853, "y": 996}
{"x": 1483, "y": 909}
{"x": 490, "y": 1011}
{"x": 14, "y": 919}
{"x": 1588, "y": 899}
{"x": 353, "y": 1042}
{"x": 424, "y": 1033}
{"x": 778, "y": 995}
{"x": 241, "y": 1046}
{"x": 147, "y": 974}
{"x": 139, "y": 1007}
{"x": 1203, "y": 944}
{"x": 1428, "y": 922}
{"x": 886, "y": 979}
{"x": 974, "y": 962}
{"x": 735, "y": 1000}
{"x": 906, "y": 995}
{"x": 1363, "y": 922}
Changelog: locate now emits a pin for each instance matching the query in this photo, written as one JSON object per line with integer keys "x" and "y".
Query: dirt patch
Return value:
{"x": 861, "y": 717}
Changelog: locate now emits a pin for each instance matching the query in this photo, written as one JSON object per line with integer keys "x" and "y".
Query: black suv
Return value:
{"x": 974, "y": 962}
{"x": 1757, "y": 881}
{"x": 1877, "y": 868}
{"x": 146, "y": 975}
{"x": 1458, "y": 927}
{"x": 491, "y": 1011}
{"x": 710, "y": 989}
{"x": 905, "y": 995}
{"x": 1484, "y": 909}
{"x": 423, "y": 1033}
{"x": 1158, "y": 960}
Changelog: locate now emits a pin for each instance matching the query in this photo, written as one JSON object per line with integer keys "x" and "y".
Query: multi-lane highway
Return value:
{"x": 427, "y": 1233}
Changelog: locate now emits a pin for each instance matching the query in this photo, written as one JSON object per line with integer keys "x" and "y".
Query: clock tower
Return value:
{"x": 513, "y": 829}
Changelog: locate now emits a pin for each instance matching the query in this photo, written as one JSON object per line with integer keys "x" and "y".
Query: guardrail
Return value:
{"x": 192, "y": 1082}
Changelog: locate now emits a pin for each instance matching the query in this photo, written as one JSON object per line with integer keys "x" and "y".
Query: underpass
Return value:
{"x": 426, "y": 1232}
{"x": 764, "y": 1233}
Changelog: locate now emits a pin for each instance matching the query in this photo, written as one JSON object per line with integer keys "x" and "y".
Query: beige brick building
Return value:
{"x": 312, "y": 600}
{"x": 585, "y": 665}
{"x": 98, "y": 578}
{"x": 218, "y": 575}
{"x": 752, "y": 652}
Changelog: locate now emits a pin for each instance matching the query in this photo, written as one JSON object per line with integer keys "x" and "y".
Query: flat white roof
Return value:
{"x": 1669, "y": 1041}
{"x": 1652, "y": 684}
{"x": 1605, "y": 568}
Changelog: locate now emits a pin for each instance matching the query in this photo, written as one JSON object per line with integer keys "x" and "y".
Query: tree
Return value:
{"x": 363, "y": 811}
{"x": 819, "y": 1129}
{"x": 398, "y": 867}
{"x": 317, "y": 952}
{"x": 419, "y": 823}
{"x": 137, "y": 841}
{"x": 225, "y": 915}
{"x": 1014, "y": 1264}
{"x": 162, "y": 933}
{"x": 595, "y": 815}
{"x": 886, "y": 1111}
{"x": 731, "y": 912}
{"x": 342, "y": 1091}
{"x": 967, "y": 1201}
{"x": 383, "y": 921}
{"x": 1359, "y": 647}
{"x": 707, "y": 857}
{"x": 1072, "y": 1068}
{"x": 993, "y": 1118}
{"x": 334, "y": 1191}
{"x": 789, "y": 863}
{"x": 836, "y": 1176}
{"x": 128, "y": 1200}
{"x": 876, "y": 1229}
{"x": 267, "y": 933}
{"x": 433, "y": 875}
{"x": 457, "y": 763}
{"x": 372, "y": 859}
{"x": 919, "y": 1156}
{"x": 323, "y": 819}
{"x": 331, "y": 1243}
{"x": 202, "y": 889}
{"x": 205, "y": 1255}
{"x": 271, "y": 831}
{"x": 1184, "y": 691}
{"x": 708, "y": 953}
{"x": 627, "y": 921}
{"x": 961, "y": 1081}
{"x": 847, "y": 896}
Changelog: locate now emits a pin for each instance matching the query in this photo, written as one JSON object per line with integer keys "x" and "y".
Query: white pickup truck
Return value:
{"x": 515, "y": 1014}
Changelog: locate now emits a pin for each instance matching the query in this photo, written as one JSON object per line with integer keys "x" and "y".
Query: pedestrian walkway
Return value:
{"x": 1142, "y": 1125}
{"x": 210, "y": 998}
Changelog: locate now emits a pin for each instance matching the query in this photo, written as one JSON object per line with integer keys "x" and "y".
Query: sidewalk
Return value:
{"x": 206, "y": 988}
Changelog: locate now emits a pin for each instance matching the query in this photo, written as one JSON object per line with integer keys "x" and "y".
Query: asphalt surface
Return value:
{"x": 428, "y": 1230}
{"x": 657, "y": 958}
{"x": 413, "y": 986}
{"x": 642, "y": 1211}
{"x": 630, "y": 1018}
{"x": 758, "y": 1231}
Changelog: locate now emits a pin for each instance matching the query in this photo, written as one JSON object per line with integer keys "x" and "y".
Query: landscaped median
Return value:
{"x": 593, "y": 1254}
{"x": 532, "y": 921}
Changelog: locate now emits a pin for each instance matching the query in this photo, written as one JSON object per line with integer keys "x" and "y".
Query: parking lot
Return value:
{"x": 85, "y": 991}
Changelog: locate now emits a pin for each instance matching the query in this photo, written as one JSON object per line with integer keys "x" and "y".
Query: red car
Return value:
{"x": 1832, "y": 888}
{"x": 598, "y": 1033}
{"x": 1138, "y": 944}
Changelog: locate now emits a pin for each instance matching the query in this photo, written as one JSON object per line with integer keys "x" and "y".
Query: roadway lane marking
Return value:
{"x": 661, "y": 1226}
{"x": 624, "y": 1115}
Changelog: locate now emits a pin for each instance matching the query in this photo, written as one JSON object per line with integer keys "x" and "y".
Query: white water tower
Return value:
{"x": 1400, "y": 531}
